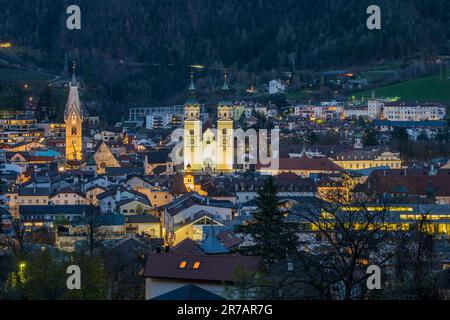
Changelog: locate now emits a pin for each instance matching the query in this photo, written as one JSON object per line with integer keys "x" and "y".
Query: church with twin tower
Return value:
{"x": 208, "y": 149}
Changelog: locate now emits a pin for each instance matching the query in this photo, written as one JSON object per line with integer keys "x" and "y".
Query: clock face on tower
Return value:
{"x": 192, "y": 141}
{"x": 224, "y": 141}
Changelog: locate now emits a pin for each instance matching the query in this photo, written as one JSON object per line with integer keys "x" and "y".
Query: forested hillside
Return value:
{"x": 139, "y": 50}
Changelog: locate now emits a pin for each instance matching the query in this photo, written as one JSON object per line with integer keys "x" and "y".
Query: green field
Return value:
{"x": 431, "y": 88}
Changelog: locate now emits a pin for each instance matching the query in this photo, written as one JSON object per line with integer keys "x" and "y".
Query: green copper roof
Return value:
{"x": 91, "y": 160}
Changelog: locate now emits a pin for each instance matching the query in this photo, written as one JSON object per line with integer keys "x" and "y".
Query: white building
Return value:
{"x": 155, "y": 121}
{"x": 356, "y": 112}
{"x": 275, "y": 86}
{"x": 374, "y": 109}
{"x": 413, "y": 112}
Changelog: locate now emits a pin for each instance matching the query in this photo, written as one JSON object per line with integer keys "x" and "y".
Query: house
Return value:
{"x": 48, "y": 215}
{"x": 120, "y": 174}
{"x": 159, "y": 162}
{"x": 34, "y": 196}
{"x": 429, "y": 128}
{"x": 107, "y": 200}
{"x": 275, "y": 87}
{"x": 144, "y": 224}
{"x": 124, "y": 259}
{"x": 246, "y": 189}
{"x": 93, "y": 192}
{"x": 218, "y": 274}
{"x": 132, "y": 206}
{"x": 68, "y": 196}
{"x": 102, "y": 181}
{"x": 192, "y": 228}
{"x": 71, "y": 233}
{"x": 189, "y": 292}
{"x": 403, "y": 184}
{"x": 183, "y": 210}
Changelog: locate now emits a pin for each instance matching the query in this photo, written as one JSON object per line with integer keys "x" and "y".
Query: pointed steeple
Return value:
{"x": 211, "y": 245}
{"x": 191, "y": 85}
{"x": 73, "y": 101}
{"x": 225, "y": 91}
{"x": 191, "y": 96}
{"x": 73, "y": 82}
{"x": 225, "y": 82}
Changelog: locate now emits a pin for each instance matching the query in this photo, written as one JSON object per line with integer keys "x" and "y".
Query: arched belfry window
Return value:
{"x": 74, "y": 130}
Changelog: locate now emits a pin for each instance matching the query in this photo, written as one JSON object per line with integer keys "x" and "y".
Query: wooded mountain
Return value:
{"x": 139, "y": 50}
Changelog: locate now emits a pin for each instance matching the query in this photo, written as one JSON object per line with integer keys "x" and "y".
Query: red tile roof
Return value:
{"x": 40, "y": 159}
{"x": 187, "y": 246}
{"x": 218, "y": 268}
{"x": 229, "y": 239}
{"x": 414, "y": 184}
{"x": 307, "y": 164}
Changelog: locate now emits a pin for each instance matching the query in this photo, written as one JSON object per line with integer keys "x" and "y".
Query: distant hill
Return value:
{"x": 139, "y": 50}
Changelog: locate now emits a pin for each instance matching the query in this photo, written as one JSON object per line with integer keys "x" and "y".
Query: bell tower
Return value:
{"x": 73, "y": 119}
{"x": 192, "y": 137}
{"x": 225, "y": 143}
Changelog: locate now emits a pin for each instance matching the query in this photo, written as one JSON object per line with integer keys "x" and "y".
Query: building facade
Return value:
{"x": 210, "y": 149}
{"x": 73, "y": 119}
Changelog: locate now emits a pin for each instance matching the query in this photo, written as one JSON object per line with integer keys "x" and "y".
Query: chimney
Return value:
{"x": 117, "y": 195}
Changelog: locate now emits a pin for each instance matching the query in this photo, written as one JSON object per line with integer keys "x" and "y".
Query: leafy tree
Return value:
{"x": 273, "y": 236}
{"x": 370, "y": 138}
{"x": 44, "y": 277}
{"x": 94, "y": 278}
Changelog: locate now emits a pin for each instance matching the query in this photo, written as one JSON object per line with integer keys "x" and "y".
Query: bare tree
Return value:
{"x": 415, "y": 273}
{"x": 23, "y": 238}
{"x": 92, "y": 220}
{"x": 352, "y": 235}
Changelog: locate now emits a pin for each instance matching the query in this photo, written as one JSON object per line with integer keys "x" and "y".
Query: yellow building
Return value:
{"x": 146, "y": 224}
{"x": 73, "y": 119}
{"x": 193, "y": 229}
{"x": 337, "y": 189}
{"x": 359, "y": 159}
{"x": 189, "y": 182}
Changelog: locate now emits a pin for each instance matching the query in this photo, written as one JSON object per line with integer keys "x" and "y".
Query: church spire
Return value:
{"x": 225, "y": 81}
{"x": 73, "y": 82}
{"x": 192, "y": 86}
{"x": 73, "y": 101}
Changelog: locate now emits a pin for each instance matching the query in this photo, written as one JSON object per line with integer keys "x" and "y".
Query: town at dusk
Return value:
{"x": 246, "y": 153}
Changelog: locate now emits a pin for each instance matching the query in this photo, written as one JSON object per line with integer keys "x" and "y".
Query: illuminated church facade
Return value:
{"x": 208, "y": 149}
{"x": 73, "y": 119}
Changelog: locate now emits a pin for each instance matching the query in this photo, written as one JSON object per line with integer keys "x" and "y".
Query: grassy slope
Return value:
{"x": 430, "y": 88}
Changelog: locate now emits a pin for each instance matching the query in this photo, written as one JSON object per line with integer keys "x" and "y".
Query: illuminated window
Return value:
{"x": 182, "y": 264}
{"x": 196, "y": 265}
